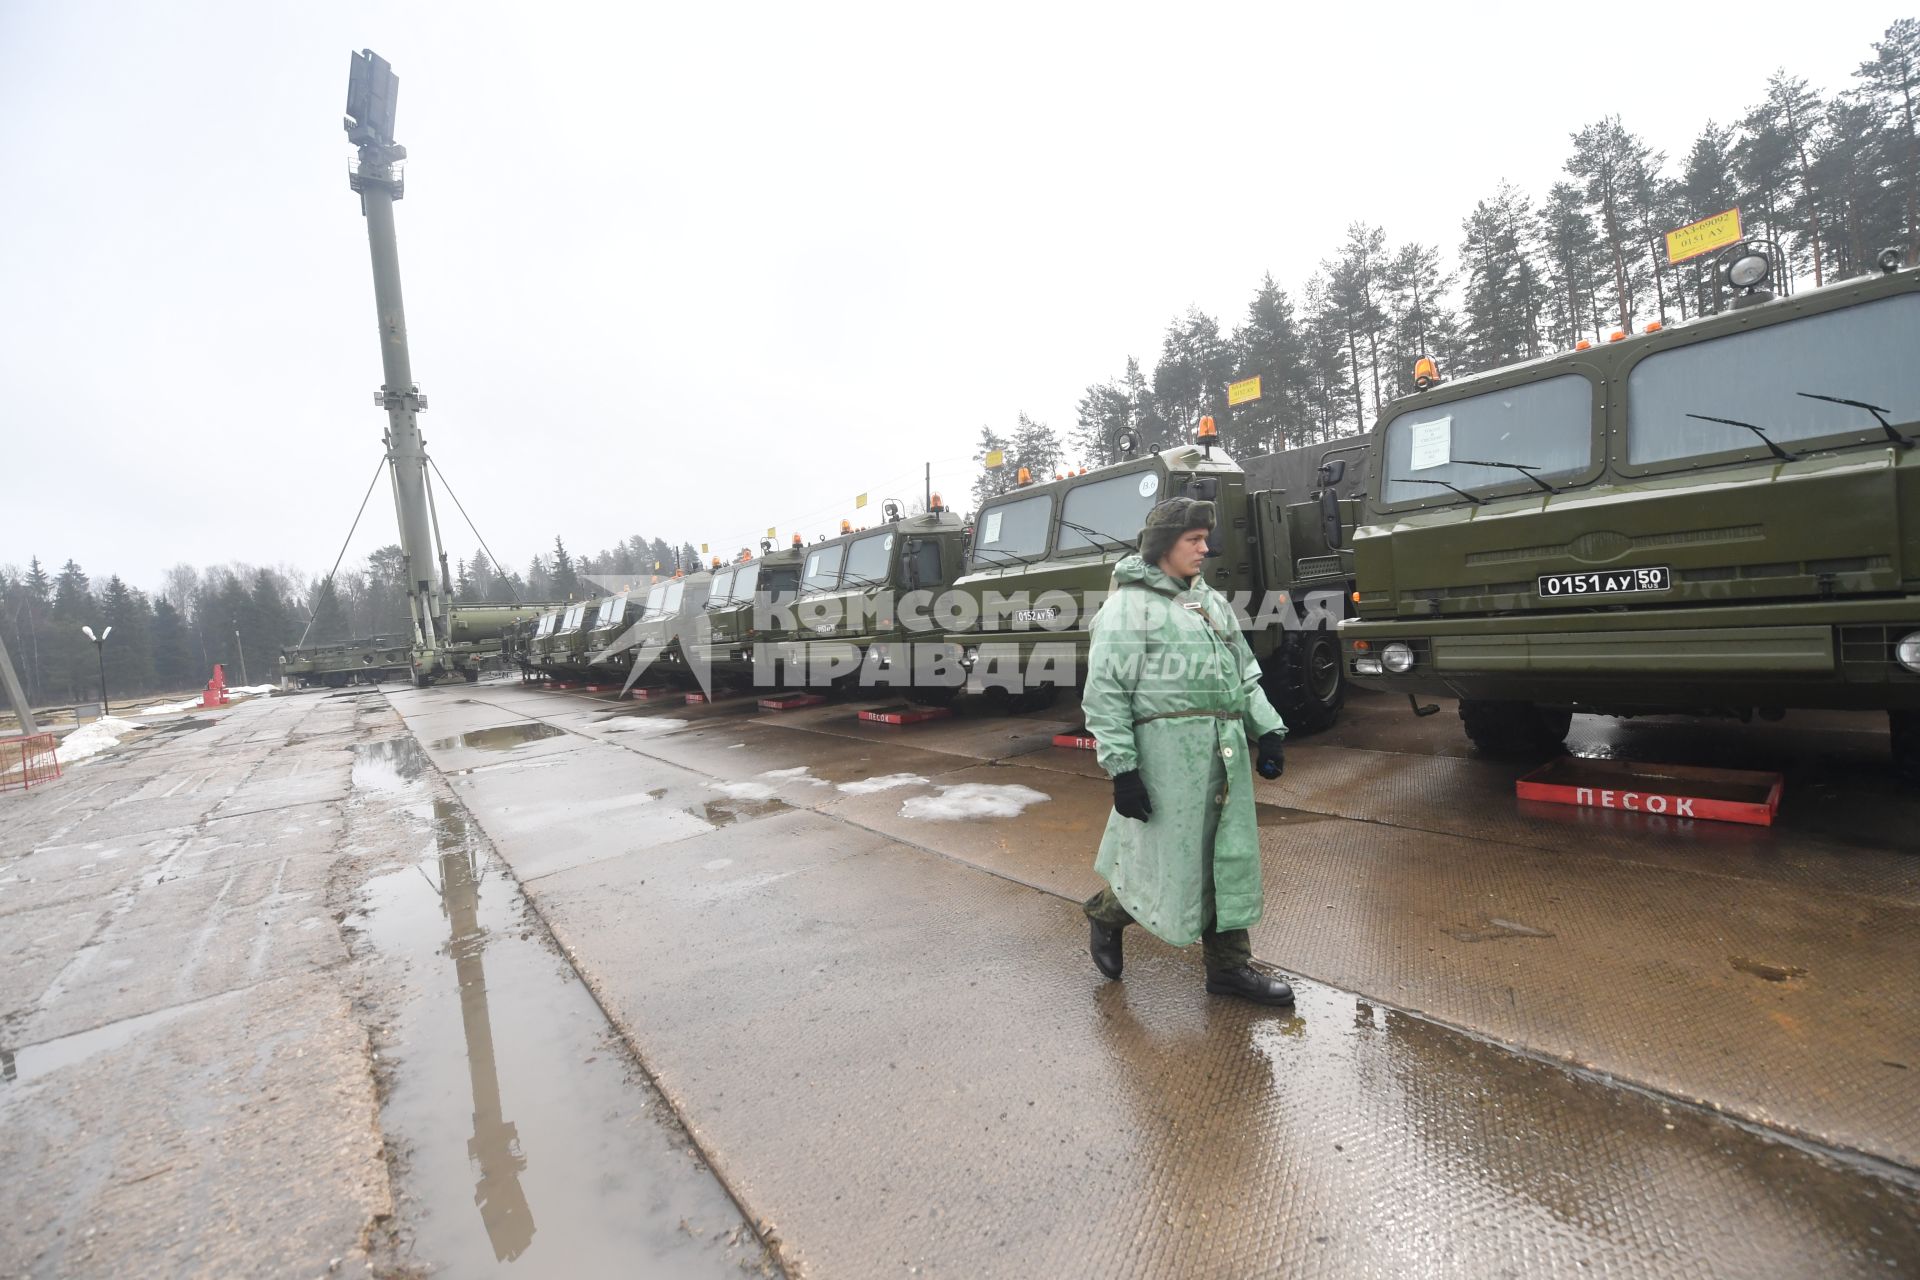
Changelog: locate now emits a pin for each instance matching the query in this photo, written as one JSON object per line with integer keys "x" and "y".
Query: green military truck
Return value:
{"x": 1042, "y": 557}
{"x": 741, "y": 602}
{"x": 1718, "y": 517}
{"x": 654, "y": 636}
{"x": 337, "y": 665}
{"x": 858, "y": 618}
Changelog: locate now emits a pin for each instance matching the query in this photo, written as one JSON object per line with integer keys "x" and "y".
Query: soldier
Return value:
{"x": 1173, "y": 694}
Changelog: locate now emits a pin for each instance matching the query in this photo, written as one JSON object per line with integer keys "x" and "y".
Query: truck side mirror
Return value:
{"x": 1330, "y": 515}
{"x": 1333, "y": 472}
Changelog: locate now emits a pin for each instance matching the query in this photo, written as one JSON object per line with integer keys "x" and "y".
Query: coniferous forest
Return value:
{"x": 1832, "y": 176}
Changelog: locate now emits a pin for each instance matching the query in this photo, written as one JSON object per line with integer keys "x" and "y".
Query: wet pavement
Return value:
{"x": 499, "y": 980}
{"x": 1527, "y": 1042}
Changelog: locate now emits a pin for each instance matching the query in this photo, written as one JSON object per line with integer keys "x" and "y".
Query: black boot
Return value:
{"x": 1104, "y": 943}
{"x": 1249, "y": 985}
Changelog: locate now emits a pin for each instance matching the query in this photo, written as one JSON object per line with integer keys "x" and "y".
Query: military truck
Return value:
{"x": 341, "y": 663}
{"x": 1042, "y": 556}
{"x": 654, "y": 636}
{"x": 1716, "y": 517}
{"x": 741, "y": 603}
{"x": 854, "y": 616}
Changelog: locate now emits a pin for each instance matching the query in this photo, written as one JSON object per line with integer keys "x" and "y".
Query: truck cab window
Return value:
{"x": 1546, "y": 427}
{"x": 1773, "y": 378}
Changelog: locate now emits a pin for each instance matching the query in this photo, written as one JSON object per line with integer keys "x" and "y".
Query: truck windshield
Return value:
{"x": 1106, "y": 513}
{"x": 781, "y": 580}
{"x": 547, "y": 624}
{"x": 1012, "y": 531}
{"x": 745, "y": 578}
{"x": 655, "y": 600}
{"x": 722, "y": 585}
{"x": 1773, "y": 378}
{"x": 867, "y": 560}
{"x": 670, "y": 602}
{"x": 1546, "y": 427}
{"x": 823, "y": 568}
{"x": 612, "y": 611}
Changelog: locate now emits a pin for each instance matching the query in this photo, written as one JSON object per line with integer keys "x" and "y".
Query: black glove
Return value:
{"x": 1273, "y": 761}
{"x": 1130, "y": 799}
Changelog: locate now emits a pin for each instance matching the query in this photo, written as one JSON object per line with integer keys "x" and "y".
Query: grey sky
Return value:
{"x": 695, "y": 272}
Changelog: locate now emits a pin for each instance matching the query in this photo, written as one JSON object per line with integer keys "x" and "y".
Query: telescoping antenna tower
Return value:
{"x": 372, "y": 93}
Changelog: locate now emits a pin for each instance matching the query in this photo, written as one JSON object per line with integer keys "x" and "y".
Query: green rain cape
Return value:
{"x": 1174, "y": 691}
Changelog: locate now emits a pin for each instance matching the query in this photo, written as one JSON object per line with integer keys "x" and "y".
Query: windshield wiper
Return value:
{"x": 1017, "y": 559}
{"x": 1091, "y": 534}
{"x": 1783, "y": 454}
{"x": 1442, "y": 483}
{"x": 1879, "y": 415}
{"x": 861, "y": 582}
{"x": 1521, "y": 467}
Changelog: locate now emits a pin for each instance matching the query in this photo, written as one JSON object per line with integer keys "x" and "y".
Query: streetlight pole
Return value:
{"x": 100, "y": 652}
{"x": 237, "y": 648}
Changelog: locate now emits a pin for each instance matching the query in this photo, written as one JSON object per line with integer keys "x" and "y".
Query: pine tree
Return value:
{"x": 1101, "y": 420}
{"x": 1269, "y": 345}
{"x": 173, "y": 666}
{"x": 992, "y": 481}
{"x": 1891, "y": 81}
{"x": 128, "y": 653}
{"x": 1418, "y": 320}
{"x": 1505, "y": 290}
{"x": 1036, "y": 448}
{"x": 1617, "y": 170}
{"x": 1190, "y": 381}
{"x": 565, "y": 579}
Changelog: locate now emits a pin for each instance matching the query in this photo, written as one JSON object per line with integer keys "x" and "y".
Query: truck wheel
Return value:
{"x": 1905, "y": 732}
{"x": 1514, "y": 728}
{"x": 472, "y": 674}
{"x": 932, "y": 695}
{"x": 1306, "y": 681}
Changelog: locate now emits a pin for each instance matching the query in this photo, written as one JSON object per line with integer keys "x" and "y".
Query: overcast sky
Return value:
{"x": 692, "y": 273}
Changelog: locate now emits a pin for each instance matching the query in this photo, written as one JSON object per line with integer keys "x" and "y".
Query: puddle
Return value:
{"x": 501, "y": 738}
{"x": 530, "y": 1137}
{"x": 724, "y": 813}
{"x": 1770, "y": 972}
{"x": 35, "y": 1060}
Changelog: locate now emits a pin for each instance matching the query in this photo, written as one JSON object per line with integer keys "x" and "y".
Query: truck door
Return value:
{"x": 1274, "y": 541}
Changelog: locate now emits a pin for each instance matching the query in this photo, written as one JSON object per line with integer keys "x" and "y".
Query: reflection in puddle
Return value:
{"x": 32, "y": 1061}
{"x": 612, "y": 1198}
{"x": 1770, "y": 972}
{"x": 501, "y": 738}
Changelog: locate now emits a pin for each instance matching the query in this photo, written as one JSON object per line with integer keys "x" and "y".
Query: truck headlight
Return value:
{"x": 1397, "y": 658}
{"x": 1366, "y": 666}
{"x": 1907, "y": 652}
{"x": 969, "y": 656}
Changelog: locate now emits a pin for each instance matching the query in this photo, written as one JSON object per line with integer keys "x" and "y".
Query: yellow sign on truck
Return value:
{"x": 1704, "y": 236}
{"x": 1243, "y": 391}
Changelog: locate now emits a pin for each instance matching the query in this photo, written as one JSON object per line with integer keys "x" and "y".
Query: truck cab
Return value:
{"x": 860, "y": 613}
{"x": 741, "y": 614}
{"x": 1042, "y": 557}
{"x": 1718, "y": 517}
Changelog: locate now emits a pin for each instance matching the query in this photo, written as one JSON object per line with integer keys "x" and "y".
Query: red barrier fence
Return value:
{"x": 28, "y": 761}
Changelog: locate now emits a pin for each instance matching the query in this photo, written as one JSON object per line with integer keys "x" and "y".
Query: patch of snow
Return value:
{"x": 249, "y": 690}
{"x": 885, "y": 782}
{"x": 744, "y": 790}
{"x": 799, "y": 774}
{"x": 90, "y": 740}
{"x": 717, "y": 864}
{"x": 169, "y": 708}
{"x": 650, "y": 723}
{"x": 973, "y": 800}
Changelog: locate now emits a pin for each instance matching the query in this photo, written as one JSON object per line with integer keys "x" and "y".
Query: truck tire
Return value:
{"x": 1514, "y": 728}
{"x": 1306, "y": 681}
{"x": 1904, "y": 727}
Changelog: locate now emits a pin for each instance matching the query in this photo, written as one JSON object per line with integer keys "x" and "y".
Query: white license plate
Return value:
{"x": 1605, "y": 582}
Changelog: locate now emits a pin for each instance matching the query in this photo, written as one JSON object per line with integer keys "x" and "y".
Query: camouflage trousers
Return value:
{"x": 1229, "y": 950}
